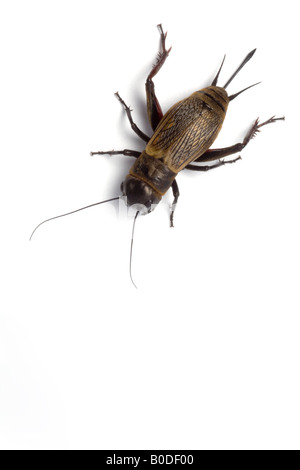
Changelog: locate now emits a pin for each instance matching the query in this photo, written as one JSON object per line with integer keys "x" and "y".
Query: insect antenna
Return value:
{"x": 247, "y": 58}
{"x": 131, "y": 247}
{"x": 72, "y": 212}
{"x": 214, "y": 82}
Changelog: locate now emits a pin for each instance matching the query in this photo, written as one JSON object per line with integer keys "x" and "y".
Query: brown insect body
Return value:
{"x": 189, "y": 128}
{"x": 181, "y": 138}
{"x": 185, "y": 132}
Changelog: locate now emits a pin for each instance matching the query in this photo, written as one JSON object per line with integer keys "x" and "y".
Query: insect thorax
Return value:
{"x": 154, "y": 172}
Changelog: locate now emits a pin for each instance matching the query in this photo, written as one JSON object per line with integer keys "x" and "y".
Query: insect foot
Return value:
{"x": 256, "y": 128}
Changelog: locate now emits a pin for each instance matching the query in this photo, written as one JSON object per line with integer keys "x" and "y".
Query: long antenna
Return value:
{"x": 131, "y": 246}
{"x": 72, "y": 212}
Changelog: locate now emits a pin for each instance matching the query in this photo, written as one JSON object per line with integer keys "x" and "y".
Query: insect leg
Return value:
{"x": 134, "y": 127}
{"x": 210, "y": 167}
{"x": 215, "y": 154}
{"x": 126, "y": 152}
{"x": 176, "y": 194}
{"x": 153, "y": 107}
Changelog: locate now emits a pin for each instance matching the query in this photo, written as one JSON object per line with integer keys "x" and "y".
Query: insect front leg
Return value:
{"x": 216, "y": 154}
{"x": 153, "y": 107}
{"x": 126, "y": 152}
{"x": 176, "y": 195}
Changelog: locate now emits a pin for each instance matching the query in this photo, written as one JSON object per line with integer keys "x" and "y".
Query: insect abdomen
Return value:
{"x": 216, "y": 98}
{"x": 189, "y": 128}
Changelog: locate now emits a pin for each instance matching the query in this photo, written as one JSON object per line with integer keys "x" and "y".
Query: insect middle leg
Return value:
{"x": 153, "y": 107}
{"x": 134, "y": 127}
{"x": 215, "y": 154}
{"x": 211, "y": 167}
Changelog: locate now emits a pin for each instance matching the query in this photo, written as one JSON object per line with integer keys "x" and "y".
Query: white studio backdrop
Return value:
{"x": 205, "y": 353}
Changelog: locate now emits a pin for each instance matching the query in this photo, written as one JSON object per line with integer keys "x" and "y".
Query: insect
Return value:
{"x": 181, "y": 140}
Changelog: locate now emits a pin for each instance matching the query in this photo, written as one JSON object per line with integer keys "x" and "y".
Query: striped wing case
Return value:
{"x": 189, "y": 128}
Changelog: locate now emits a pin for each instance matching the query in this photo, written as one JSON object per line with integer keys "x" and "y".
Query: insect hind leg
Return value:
{"x": 153, "y": 107}
{"x": 215, "y": 154}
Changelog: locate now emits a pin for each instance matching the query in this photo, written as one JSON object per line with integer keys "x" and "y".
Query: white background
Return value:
{"x": 205, "y": 354}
